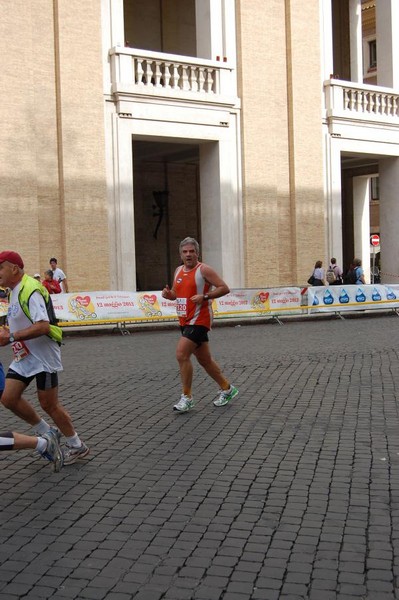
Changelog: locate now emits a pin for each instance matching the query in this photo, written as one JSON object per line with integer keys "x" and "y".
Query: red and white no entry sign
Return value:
{"x": 375, "y": 240}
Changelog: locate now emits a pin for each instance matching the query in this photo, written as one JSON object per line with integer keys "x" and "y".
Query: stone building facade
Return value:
{"x": 260, "y": 130}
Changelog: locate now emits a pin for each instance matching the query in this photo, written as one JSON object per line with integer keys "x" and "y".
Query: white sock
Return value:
{"x": 74, "y": 441}
{"x": 41, "y": 444}
{"x": 42, "y": 427}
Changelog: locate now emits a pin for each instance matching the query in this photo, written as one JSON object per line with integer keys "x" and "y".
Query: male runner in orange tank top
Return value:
{"x": 194, "y": 287}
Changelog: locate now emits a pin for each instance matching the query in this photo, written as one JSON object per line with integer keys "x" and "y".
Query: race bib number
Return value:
{"x": 20, "y": 350}
{"x": 181, "y": 307}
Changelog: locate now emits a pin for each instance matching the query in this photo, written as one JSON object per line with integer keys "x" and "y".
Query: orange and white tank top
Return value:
{"x": 187, "y": 284}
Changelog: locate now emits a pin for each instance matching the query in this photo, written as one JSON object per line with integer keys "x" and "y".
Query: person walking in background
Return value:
{"x": 35, "y": 340}
{"x": 194, "y": 287}
{"x": 59, "y": 275}
{"x": 317, "y": 277}
{"x": 47, "y": 445}
{"x": 359, "y": 272}
{"x": 51, "y": 284}
{"x": 355, "y": 273}
{"x": 336, "y": 278}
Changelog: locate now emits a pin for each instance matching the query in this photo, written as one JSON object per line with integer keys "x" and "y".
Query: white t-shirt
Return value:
{"x": 59, "y": 275}
{"x": 39, "y": 354}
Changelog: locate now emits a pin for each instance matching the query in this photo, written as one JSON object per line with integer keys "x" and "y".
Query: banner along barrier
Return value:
{"x": 107, "y": 307}
{"x": 353, "y": 297}
{"x": 143, "y": 307}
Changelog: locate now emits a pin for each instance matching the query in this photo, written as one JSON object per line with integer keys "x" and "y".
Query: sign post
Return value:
{"x": 374, "y": 241}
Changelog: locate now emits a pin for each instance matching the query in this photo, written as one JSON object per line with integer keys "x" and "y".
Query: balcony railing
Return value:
{"x": 155, "y": 74}
{"x": 359, "y": 102}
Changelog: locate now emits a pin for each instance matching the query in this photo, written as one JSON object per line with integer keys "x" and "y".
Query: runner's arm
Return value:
{"x": 29, "y": 333}
{"x": 170, "y": 293}
{"x": 40, "y": 323}
{"x": 219, "y": 287}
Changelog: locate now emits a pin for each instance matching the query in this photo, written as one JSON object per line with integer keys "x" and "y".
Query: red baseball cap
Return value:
{"x": 12, "y": 257}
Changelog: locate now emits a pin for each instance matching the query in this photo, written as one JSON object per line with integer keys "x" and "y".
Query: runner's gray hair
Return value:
{"x": 187, "y": 241}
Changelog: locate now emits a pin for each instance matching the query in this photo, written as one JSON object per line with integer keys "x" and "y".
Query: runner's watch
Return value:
{"x": 12, "y": 338}
{"x": 206, "y": 297}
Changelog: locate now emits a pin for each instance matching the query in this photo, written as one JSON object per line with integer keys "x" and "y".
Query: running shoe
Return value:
{"x": 225, "y": 396}
{"x": 57, "y": 432}
{"x": 53, "y": 452}
{"x": 71, "y": 454}
{"x": 185, "y": 403}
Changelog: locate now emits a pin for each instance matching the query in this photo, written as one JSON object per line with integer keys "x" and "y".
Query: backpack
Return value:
{"x": 351, "y": 276}
{"x": 330, "y": 275}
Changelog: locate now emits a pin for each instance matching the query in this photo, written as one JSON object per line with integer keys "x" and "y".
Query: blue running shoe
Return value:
{"x": 53, "y": 452}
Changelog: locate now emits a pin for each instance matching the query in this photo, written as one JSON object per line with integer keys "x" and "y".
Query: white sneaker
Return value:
{"x": 225, "y": 396}
{"x": 185, "y": 403}
{"x": 71, "y": 455}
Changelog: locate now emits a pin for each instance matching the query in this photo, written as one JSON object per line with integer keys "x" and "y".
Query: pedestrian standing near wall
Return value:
{"x": 51, "y": 284}
{"x": 337, "y": 273}
{"x": 317, "y": 277}
{"x": 59, "y": 275}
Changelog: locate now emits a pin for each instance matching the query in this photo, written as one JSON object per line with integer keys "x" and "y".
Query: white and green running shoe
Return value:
{"x": 225, "y": 396}
{"x": 185, "y": 403}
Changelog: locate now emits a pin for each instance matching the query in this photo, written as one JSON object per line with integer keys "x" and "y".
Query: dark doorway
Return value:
{"x": 166, "y": 208}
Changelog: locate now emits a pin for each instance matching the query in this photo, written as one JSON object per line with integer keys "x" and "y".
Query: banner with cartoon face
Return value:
{"x": 109, "y": 306}
{"x": 86, "y": 307}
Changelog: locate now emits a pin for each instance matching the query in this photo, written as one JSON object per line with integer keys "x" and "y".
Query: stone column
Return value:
{"x": 332, "y": 162}
{"x": 327, "y": 63}
{"x": 221, "y": 211}
{"x": 356, "y": 50}
{"x": 112, "y": 31}
{"x": 389, "y": 218}
{"x": 387, "y": 17}
{"x": 361, "y": 222}
{"x": 209, "y": 24}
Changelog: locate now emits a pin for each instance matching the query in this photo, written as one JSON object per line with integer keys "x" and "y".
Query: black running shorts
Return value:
{"x": 44, "y": 381}
{"x": 196, "y": 333}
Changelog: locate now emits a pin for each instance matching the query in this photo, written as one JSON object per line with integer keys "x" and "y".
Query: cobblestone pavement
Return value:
{"x": 289, "y": 492}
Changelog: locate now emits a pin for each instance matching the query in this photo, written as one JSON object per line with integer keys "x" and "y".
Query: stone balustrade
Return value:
{"x": 135, "y": 71}
{"x": 361, "y": 102}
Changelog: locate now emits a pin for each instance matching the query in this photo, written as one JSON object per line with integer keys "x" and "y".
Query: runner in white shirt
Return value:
{"x": 36, "y": 355}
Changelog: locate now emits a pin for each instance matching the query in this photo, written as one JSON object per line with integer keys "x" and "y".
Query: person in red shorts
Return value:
{"x": 194, "y": 287}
